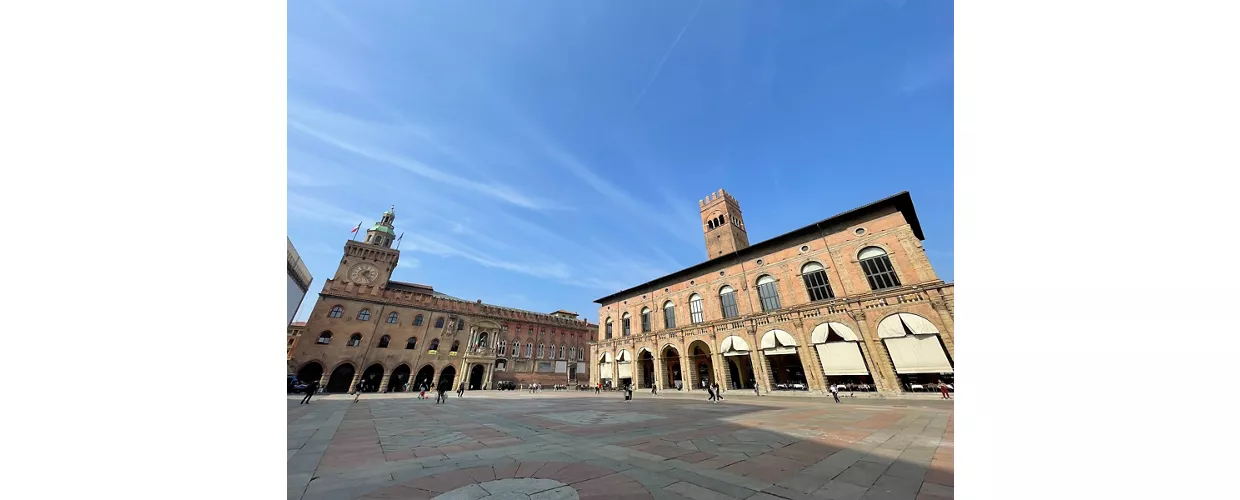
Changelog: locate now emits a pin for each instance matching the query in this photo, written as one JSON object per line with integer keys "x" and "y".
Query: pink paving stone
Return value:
{"x": 940, "y": 477}
{"x": 717, "y": 462}
{"x": 550, "y": 468}
{"x": 401, "y": 492}
{"x": 394, "y": 456}
{"x": 444, "y": 482}
{"x": 613, "y": 484}
{"x": 426, "y": 452}
{"x": 575, "y": 473}
{"x": 694, "y": 458}
{"x": 505, "y": 471}
{"x": 527, "y": 469}
{"x": 451, "y": 449}
{"x": 739, "y": 468}
{"x": 770, "y": 475}
{"x": 482, "y": 474}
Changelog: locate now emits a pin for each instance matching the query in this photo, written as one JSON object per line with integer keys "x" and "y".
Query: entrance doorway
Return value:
{"x": 425, "y": 376}
{"x": 475, "y": 377}
{"x": 740, "y": 368}
{"x": 703, "y": 367}
{"x": 448, "y": 377}
{"x": 787, "y": 372}
{"x": 400, "y": 377}
{"x": 371, "y": 378}
{"x": 674, "y": 379}
{"x": 341, "y": 378}
{"x": 311, "y": 372}
{"x": 645, "y": 370}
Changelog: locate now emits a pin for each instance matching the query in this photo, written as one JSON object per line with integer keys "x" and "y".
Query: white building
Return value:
{"x": 298, "y": 281}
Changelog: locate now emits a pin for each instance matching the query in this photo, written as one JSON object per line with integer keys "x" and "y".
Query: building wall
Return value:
{"x": 498, "y": 323}
{"x": 295, "y": 295}
{"x": 855, "y": 305}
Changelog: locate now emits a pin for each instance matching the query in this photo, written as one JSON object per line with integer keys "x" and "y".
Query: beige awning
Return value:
{"x": 819, "y": 335}
{"x": 841, "y": 358}
{"x": 734, "y": 345}
{"x": 778, "y": 338}
{"x": 918, "y": 354}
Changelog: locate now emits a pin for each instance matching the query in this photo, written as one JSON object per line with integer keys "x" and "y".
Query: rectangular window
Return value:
{"x": 669, "y": 317}
{"x": 645, "y": 322}
{"x": 729, "y": 305}
{"x": 625, "y": 324}
{"x": 769, "y": 295}
{"x": 695, "y": 311}
{"x": 879, "y": 273}
{"x": 818, "y": 287}
{"x": 608, "y": 333}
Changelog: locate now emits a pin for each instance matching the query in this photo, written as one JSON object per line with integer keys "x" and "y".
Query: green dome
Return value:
{"x": 382, "y": 229}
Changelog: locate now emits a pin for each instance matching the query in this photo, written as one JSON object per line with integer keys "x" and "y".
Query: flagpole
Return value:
{"x": 401, "y": 237}
{"x": 357, "y": 230}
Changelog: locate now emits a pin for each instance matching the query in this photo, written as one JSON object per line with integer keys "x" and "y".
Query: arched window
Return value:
{"x": 417, "y": 321}
{"x": 541, "y": 351}
{"x": 727, "y": 301}
{"x": 625, "y": 326}
{"x": 607, "y": 332}
{"x": 412, "y": 343}
{"x": 669, "y": 315}
{"x": 561, "y": 351}
{"x": 767, "y": 293}
{"x": 529, "y": 349}
{"x": 456, "y": 345}
{"x": 572, "y": 352}
{"x": 383, "y": 341}
{"x": 502, "y": 348}
{"x": 581, "y": 353}
{"x": 324, "y": 338}
{"x": 363, "y": 315}
{"x": 354, "y": 340}
{"x": 551, "y": 353}
{"x": 645, "y": 319}
{"x": 336, "y": 312}
{"x": 877, "y": 267}
{"x": 434, "y": 345}
{"x": 816, "y": 283}
{"x": 695, "y": 308}
{"x": 460, "y": 325}
{"x": 392, "y": 318}
{"x": 439, "y": 323}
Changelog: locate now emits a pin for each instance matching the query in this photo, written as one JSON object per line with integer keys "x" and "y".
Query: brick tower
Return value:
{"x": 722, "y": 224}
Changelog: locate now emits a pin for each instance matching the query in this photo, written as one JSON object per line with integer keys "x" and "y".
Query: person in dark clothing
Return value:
{"x": 443, "y": 389}
{"x": 314, "y": 386}
{"x": 461, "y": 392}
{"x": 711, "y": 390}
{"x": 718, "y": 392}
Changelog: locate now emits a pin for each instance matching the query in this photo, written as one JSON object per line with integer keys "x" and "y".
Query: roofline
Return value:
{"x": 902, "y": 201}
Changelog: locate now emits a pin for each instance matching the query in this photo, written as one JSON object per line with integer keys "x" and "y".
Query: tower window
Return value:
{"x": 354, "y": 340}
{"x": 878, "y": 269}
{"x": 412, "y": 343}
{"x": 695, "y": 308}
{"x": 363, "y": 315}
{"x": 816, "y": 283}
{"x": 417, "y": 321}
{"x": 383, "y": 341}
{"x": 324, "y": 338}
{"x": 392, "y": 318}
{"x": 336, "y": 312}
{"x": 727, "y": 301}
{"x": 768, "y": 293}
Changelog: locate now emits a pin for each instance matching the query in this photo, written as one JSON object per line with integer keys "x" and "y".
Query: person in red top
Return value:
{"x": 943, "y": 389}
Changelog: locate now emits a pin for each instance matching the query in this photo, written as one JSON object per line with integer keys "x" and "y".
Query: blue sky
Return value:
{"x": 543, "y": 154}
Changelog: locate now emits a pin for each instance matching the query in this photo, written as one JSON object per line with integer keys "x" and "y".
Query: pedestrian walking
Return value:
{"x": 718, "y": 392}
{"x": 314, "y": 386}
{"x": 461, "y": 392}
{"x": 943, "y": 388}
{"x": 444, "y": 387}
{"x": 835, "y": 392}
{"x": 654, "y": 390}
{"x": 357, "y": 392}
{"x": 710, "y": 390}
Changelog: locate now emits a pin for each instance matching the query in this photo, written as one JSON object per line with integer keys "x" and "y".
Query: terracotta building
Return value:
{"x": 851, "y": 300}
{"x": 295, "y": 329}
{"x": 368, "y": 330}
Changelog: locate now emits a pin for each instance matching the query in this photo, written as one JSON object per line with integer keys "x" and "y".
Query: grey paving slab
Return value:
{"x": 893, "y": 488}
{"x": 695, "y": 492}
{"x": 840, "y": 490}
{"x": 862, "y": 473}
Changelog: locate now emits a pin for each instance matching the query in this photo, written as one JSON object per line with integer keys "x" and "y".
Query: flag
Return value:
{"x": 359, "y": 226}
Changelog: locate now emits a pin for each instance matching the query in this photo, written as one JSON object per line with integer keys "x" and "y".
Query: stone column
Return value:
{"x": 383, "y": 382}
{"x": 949, "y": 327}
{"x": 813, "y": 371}
{"x": 881, "y": 367}
{"x": 486, "y": 376}
{"x": 357, "y": 377}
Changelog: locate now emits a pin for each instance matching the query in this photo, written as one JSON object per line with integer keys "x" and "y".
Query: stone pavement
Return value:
{"x": 571, "y": 445}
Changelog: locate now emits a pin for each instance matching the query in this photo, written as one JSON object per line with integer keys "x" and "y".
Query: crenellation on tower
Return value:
{"x": 722, "y": 224}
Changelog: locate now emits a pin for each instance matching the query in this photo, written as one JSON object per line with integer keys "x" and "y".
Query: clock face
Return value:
{"x": 364, "y": 274}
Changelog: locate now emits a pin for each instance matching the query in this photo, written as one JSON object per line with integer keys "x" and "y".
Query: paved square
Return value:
{"x": 580, "y": 445}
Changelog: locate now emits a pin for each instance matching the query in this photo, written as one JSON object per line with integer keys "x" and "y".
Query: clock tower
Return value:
{"x": 371, "y": 262}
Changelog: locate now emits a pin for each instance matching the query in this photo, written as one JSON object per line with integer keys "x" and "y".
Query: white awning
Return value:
{"x": 918, "y": 354}
{"x": 778, "y": 338}
{"x": 819, "y": 335}
{"x": 604, "y": 370}
{"x": 623, "y": 357}
{"x": 733, "y": 343}
{"x": 841, "y": 358}
{"x": 918, "y": 325}
{"x": 606, "y": 357}
{"x": 894, "y": 326}
{"x": 779, "y": 350}
{"x": 626, "y": 370}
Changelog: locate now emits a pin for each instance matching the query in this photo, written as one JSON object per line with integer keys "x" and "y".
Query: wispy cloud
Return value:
{"x": 346, "y": 23}
{"x": 350, "y": 134}
{"x": 658, "y": 69}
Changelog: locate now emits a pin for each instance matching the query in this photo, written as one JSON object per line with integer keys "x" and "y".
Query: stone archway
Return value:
{"x": 673, "y": 378}
{"x": 447, "y": 377}
{"x": 310, "y": 372}
{"x": 702, "y": 367}
{"x": 400, "y": 377}
{"x": 476, "y": 376}
{"x": 341, "y": 379}
{"x": 645, "y": 369}
{"x": 371, "y": 378}
{"x": 425, "y": 377}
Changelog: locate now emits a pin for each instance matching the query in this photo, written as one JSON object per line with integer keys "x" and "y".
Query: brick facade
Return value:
{"x": 835, "y": 244}
{"x": 483, "y": 334}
